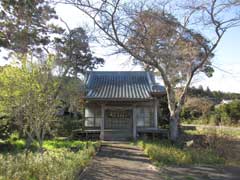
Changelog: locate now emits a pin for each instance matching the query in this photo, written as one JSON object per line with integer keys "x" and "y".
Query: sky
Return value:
{"x": 226, "y": 61}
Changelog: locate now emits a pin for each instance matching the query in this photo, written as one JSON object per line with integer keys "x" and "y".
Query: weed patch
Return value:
{"x": 164, "y": 153}
{"x": 58, "y": 161}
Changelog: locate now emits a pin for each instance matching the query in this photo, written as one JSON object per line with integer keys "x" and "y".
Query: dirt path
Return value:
{"x": 119, "y": 161}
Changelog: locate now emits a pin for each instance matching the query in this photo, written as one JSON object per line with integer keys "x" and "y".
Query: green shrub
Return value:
{"x": 58, "y": 162}
{"x": 213, "y": 119}
{"x": 54, "y": 145}
{"x": 13, "y": 137}
{"x": 66, "y": 124}
{"x": 196, "y": 107}
{"x": 224, "y": 114}
{"x": 228, "y": 114}
{"x": 12, "y": 143}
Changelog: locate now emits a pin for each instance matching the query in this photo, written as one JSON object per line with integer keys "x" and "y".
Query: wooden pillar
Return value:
{"x": 155, "y": 113}
{"x": 102, "y": 122}
{"x": 134, "y": 123}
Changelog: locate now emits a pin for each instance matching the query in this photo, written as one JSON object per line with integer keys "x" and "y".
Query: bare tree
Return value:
{"x": 162, "y": 42}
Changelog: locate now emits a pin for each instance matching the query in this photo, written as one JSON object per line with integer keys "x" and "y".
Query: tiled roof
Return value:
{"x": 120, "y": 85}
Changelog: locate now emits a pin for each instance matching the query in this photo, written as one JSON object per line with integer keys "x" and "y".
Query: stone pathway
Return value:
{"x": 119, "y": 161}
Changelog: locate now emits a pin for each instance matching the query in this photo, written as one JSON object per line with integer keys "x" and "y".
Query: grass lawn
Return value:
{"x": 61, "y": 160}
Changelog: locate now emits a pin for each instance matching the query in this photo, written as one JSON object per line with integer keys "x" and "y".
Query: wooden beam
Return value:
{"x": 118, "y": 107}
{"x": 102, "y": 121}
{"x": 134, "y": 123}
{"x": 155, "y": 113}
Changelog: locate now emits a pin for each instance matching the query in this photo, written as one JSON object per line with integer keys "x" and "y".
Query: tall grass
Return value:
{"x": 224, "y": 142}
{"x": 164, "y": 153}
{"x": 58, "y": 162}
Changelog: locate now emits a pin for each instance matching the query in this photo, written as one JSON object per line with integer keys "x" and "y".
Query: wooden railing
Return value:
{"x": 94, "y": 122}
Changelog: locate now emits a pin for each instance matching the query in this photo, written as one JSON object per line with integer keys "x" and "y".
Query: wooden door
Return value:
{"x": 118, "y": 124}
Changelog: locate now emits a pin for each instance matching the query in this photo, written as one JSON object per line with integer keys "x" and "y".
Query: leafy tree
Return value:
{"x": 74, "y": 58}
{"x": 196, "y": 107}
{"x": 228, "y": 113}
{"x": 152, "y": 36}
{"x": 71, "y": 108}
{"x": 74, "y": 54}
{"x": 27, "y": 95}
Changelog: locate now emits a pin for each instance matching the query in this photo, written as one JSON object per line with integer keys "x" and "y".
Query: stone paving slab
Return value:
{"x": 119, "y": 161}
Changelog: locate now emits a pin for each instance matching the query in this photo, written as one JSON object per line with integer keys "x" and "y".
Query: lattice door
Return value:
{"x": 118, "y": 119}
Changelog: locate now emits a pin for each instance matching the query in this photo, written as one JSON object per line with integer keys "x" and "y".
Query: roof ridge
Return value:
{"x": 119, "y": 85}
{"x": 116, "y": 71}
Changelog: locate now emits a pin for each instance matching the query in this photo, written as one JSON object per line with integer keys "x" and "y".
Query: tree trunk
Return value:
{"x": 41, "y": 147}
{"x": 174, "y": 128}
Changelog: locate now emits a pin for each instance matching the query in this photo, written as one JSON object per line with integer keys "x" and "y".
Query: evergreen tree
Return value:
{"x": 25, "y": 25}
